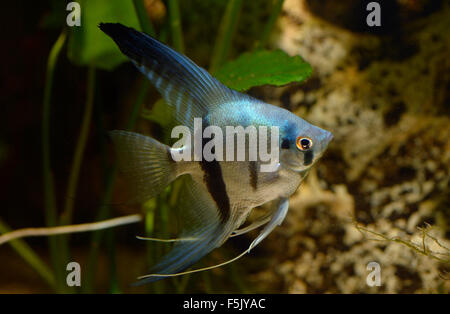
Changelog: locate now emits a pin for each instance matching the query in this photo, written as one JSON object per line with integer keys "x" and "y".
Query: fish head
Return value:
{"x": 302, "y": 144}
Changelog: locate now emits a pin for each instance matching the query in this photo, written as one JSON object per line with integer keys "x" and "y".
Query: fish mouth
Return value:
{"x": 329, "y": 136}
{"x": 296, "y": 167}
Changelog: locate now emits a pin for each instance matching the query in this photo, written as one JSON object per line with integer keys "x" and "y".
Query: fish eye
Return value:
{"x": 304, "y": 143}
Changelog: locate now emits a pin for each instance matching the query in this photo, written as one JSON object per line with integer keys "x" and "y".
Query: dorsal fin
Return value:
{"x": 190, "y": 89}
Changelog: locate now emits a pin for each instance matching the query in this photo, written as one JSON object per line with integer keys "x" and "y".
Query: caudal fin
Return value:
{"x": 145, "y": 162}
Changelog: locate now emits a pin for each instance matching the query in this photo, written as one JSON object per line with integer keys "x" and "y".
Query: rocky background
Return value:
{"x": 381, "y": 192}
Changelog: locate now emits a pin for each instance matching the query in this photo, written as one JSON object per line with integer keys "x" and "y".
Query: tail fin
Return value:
{"x": 146, "y": 162}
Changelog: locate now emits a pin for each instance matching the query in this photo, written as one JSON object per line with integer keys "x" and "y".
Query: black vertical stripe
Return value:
{"x": 253, "y": 172}
{"x": 213, "y": 179}
{"x": 308, "y": 158}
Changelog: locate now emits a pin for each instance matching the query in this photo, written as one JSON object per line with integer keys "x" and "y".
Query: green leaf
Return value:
{"x": 160, "y": 113}
{"x": 88, "y": 45}
{"x": 263, "y": 67}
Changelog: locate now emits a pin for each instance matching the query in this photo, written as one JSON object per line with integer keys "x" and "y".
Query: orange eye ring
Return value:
{"x": 304, "y": 143}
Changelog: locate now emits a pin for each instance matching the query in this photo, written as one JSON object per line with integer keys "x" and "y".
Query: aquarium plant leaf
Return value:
{"x": 88, "y": 45}
{"x": 263, "y": 67}
{"x": 159, "y": 113}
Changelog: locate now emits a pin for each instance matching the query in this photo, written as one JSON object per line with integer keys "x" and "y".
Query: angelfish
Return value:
{"x": 220, "y": 194}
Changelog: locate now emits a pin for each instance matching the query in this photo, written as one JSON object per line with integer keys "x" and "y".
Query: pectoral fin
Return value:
{"x": 256, "y": 224}
{"x": 276, "y": 220}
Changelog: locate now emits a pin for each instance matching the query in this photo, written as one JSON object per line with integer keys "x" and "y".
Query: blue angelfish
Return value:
{"x": 220, "y": 194}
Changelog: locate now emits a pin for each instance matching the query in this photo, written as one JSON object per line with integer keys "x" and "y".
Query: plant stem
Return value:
{"x": 49, "y": 189}
{"x": 114, "y": 286}
{"x": 276, "y": 9}
{"x": 237, "y": 279}
{"x": 175, "y": 25}
{"x": 104, "y": 210}
{"x": 30, "y": 256}
{"x": 66, "y": 216}
{"x": 96, "y": 238}
{"x": 149, "y": 209}
{"x": 140, "y": 98}
{"x": 143, "y": 17}
{"x": 226, "y": 31}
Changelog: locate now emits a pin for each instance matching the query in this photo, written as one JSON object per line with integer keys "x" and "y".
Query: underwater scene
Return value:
{"x": 225, "y": 147}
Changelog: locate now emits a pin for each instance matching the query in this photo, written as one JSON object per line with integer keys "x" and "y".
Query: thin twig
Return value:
{"x": 49, "y": 231}
{"x": 421, "y": 250}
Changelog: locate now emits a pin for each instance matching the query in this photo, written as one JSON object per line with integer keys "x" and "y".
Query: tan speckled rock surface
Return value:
{"x": 385, "y": 98}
